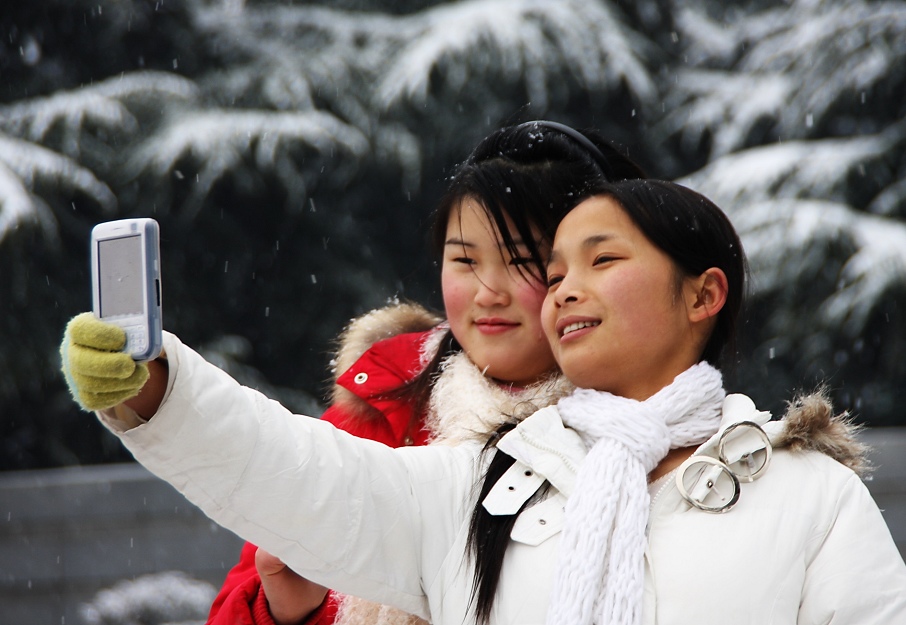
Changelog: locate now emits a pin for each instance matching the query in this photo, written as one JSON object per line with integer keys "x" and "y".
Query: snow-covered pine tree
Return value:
{"x": 293, "y": 151}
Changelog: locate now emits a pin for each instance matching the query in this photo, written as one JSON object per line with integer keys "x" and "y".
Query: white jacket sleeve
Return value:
{"x": 348, "y": 513}
{"x": 856, "y": 575}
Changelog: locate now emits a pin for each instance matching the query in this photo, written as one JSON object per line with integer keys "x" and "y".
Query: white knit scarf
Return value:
{"x": 600, "y": 573}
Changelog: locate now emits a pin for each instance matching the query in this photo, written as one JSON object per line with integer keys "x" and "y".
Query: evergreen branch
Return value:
{"x": 529, "y": 40}
{"x": 24, "y": 167}
{"x": 102, "y": 105}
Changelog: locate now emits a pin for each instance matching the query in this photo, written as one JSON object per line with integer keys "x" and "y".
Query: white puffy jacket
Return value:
{"x": 804, "y": 545}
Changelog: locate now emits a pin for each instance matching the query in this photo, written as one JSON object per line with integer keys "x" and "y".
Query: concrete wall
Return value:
{"x": 888, "y": 481}
{"x": 65, "y": 534}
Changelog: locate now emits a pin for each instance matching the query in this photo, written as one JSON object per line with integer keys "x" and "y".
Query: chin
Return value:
{"x": 576, "y": 376}
{"x": 583, "y": 378}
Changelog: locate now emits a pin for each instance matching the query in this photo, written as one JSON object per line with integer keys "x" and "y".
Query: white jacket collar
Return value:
{"x": 548, "y": 447}
{"x": 545, "y": 449}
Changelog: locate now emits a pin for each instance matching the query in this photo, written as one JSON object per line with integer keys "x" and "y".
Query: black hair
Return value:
{"x": 532, "y": 173}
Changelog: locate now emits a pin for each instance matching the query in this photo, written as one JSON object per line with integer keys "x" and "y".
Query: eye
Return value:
{"x": 553, "y": 280}
{"x": 603, "y": 259}
{"x": 521, "y": 261}
{"x": 465, "y": 260}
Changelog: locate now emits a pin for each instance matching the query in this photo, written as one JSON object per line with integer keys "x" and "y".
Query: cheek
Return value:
{"x": 530, "y": 297}
{"x": 456, "y": 296}
{"x": 549, "y": 318}
{"x": 647, "y": 304}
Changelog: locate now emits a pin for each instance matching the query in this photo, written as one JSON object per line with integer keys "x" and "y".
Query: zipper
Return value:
{"x": 669, "y": 479}
{"x": 551, "y": 450}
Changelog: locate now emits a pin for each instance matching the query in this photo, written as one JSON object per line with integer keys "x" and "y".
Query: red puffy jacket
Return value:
{"x": 361, "y": 406}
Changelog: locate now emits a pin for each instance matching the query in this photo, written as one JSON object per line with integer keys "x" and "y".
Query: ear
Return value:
{"x": 706, "y": 294}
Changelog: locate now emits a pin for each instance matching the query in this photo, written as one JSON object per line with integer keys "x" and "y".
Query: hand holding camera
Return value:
{"x": 99, "y": 373}
{"x": 104, "y": 353}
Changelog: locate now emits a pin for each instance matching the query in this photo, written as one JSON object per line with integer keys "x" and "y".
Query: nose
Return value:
{"x": 492, "y": 289}
{"x": 568, "y": 291}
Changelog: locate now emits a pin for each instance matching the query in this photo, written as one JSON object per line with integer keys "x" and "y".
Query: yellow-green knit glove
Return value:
{"x": 99, "y": 374}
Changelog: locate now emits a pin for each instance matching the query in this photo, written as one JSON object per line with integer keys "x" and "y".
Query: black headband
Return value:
{"x": 579, "y": 138}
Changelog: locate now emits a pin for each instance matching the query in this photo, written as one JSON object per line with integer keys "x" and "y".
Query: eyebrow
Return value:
{"x": 463, "y": 243}
{"x": 587, "y": 243}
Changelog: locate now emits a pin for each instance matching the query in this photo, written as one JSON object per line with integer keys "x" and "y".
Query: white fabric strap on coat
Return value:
{"x": 512, "y": 490}
{"x": 600, "y": 570}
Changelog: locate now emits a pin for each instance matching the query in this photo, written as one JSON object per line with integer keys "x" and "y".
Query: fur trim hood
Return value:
{"x": 810, "y": 424}
{"x": 365, "y": 331}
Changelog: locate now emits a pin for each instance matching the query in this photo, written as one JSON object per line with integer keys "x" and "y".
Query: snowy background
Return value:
{"x": 292, "y": 154}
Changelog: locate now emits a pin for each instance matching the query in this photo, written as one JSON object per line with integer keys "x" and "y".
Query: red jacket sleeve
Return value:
{"x": 238, "y": 602}
{"x": 385, "y": 366}
{"x": 241, "y": 600}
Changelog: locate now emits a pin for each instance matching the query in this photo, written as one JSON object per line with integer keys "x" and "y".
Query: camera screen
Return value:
{"x": 120, "y": 269}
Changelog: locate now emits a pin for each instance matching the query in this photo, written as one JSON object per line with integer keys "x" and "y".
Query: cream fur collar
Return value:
{"x": 468, "y": 406}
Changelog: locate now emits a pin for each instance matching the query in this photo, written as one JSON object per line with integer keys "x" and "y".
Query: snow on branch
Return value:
{"x": 287, "y": 57}
{"x": 219, "y": 142}
{"x": 23, "y": 166}
{"x": 707, "y": 43}
{"x": 797, "y": 169}
{"x": 891, "y": 200}
{"x": 102, "y": 105}
{"x": 822, "y": 56}
{"x": 530, "y": 40}
{"x": 18, "y": 206}
{"x": 788, "y": 239}
{"x": 725, "y": 105}
{"x": 788, "y": 203}
{"x": 834, "y": 53}
{"x": 878, "y": 266}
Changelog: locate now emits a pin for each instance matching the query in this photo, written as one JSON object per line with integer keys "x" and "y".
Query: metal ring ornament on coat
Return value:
{"x": 714, "y": 462}
{"x": 768, "y": 450}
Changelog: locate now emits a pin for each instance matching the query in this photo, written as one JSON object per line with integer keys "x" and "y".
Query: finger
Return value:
{"x": 93, "y": 384}
{"x": 268, "y": 564}
{"x": 86, "y": 329}
{"x": 87, "y": 361}
{"x": 102, "y": 401}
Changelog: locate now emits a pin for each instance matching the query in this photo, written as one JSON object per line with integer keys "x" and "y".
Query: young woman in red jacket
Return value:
{"x": 404, "y": 376}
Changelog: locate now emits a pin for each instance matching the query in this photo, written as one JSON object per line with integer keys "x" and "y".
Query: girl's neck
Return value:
{"x": 507, "y": 386}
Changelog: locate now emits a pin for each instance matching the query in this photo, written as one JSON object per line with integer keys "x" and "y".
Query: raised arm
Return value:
{"x": 313, "y": 496}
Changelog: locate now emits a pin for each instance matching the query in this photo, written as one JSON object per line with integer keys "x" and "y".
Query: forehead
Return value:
{"x": 596, "y": 218}
{"x": 470, "y": 218}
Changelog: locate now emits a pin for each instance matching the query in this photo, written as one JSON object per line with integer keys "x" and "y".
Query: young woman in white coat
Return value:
{"x": 554, "y": 519}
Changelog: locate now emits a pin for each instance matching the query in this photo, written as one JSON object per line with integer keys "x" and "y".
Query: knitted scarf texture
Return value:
{"x": 600, "y": 571}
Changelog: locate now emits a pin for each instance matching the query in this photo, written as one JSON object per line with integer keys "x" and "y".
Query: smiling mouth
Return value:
{"x": 578, "y": 326}
{"x": 495, "y": 322}
{"x": 495, "y": 326}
